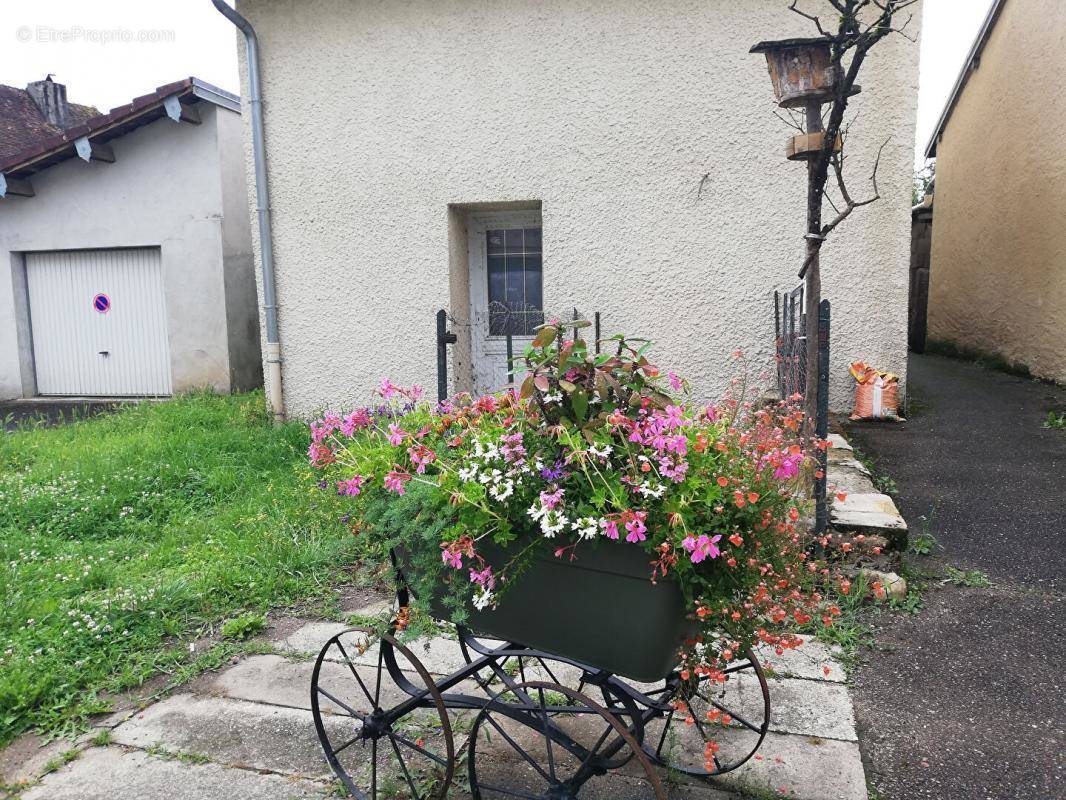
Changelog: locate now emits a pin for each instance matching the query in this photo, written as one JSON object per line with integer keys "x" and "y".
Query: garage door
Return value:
{"x": 99, "y": 322}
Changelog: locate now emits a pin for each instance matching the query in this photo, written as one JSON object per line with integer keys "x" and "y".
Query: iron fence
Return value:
{"x": 790, "y": 354}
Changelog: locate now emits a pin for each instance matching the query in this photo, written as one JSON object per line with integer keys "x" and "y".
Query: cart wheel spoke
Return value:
{"x": 682, "y": 745}
{"x": 403, "y": 707}
{"x": 518, "y": 749}
{"x": 581, "y": 739}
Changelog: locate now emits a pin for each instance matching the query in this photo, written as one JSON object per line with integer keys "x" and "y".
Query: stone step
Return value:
{"x": 112, "y": 773}
{"x": 870, "y": 512}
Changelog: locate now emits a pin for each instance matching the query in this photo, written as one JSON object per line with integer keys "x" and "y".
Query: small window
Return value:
{"x": 515, "y": 276}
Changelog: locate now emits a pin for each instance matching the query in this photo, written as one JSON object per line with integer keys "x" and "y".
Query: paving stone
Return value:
{"x": 111, "y": 773}
{"x": 380, "y": 609}
{"x": 803, "y": 768}
{"x": 277, "y": 681}
{"x": 234, "y": 733}
{"x": 807, "y": 661}
{"x": 311, "y": 637}
{"x": 839, "y": 443}
{"x": 813, "y": 708}
{"x": 871, "y": 513}
{"x": 845, "y": 477}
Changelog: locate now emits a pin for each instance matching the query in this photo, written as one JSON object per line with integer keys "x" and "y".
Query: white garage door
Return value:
{"x": 99, "y": 322}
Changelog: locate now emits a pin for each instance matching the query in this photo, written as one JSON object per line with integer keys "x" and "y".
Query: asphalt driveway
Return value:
{"x": 965, "y": 699}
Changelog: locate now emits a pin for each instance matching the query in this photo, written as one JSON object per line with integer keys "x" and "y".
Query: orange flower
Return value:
{"x": 723, "y": 480}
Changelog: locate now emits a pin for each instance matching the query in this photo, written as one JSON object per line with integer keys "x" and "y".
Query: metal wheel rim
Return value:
{"x": 721, "y": 769}
{"x": 634, "y": 746}
{"x": 429, "y": 685}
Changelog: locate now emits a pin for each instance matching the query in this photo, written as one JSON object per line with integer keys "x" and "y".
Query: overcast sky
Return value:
{"x": 109, "y": 51}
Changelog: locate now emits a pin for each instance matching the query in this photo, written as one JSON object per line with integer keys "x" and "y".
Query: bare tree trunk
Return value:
{"x": 813, "y": 277}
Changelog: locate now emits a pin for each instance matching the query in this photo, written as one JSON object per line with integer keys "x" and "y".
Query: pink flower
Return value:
{"x": 420, "y": 457}
{"x": 357, "y": 420}
{"x": 416, "y": 393}
{"x": 396, "y": 480}
{"x": 551, "y": 499}
{"x": 452, "y": 558}
{"x": 789, "y": 467}
{"x": 351, "y": 486}
{"x": 388, "y": 389}
{"x": 675, "y": 381}
{"x": 701, "y": 548}
{"x": 320, "y": 455}
{"x": 610, "y": 528}
{"x": 396, "y": 434}
{"x": 483, "y": 578}
{"x": 635, "y": 526}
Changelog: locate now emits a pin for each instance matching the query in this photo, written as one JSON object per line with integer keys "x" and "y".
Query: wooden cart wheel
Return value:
{"x": 544, "y": 741}
{"x": 739, "y": 718}
{"x": 380, "y": 719}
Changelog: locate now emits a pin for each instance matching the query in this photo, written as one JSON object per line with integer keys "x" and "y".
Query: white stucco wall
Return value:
{"x": 166, "y": 188}
{"x": 379, "y": 115}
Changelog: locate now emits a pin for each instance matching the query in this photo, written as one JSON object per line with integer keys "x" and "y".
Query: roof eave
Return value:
{"x": 971, "y": 63}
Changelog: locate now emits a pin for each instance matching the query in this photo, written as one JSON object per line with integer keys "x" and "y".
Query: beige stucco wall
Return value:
{"x": 998, "y": 266}
{"x": 380, "y": 115}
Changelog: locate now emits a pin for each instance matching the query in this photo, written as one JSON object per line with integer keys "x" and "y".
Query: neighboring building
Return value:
{"x": 997, "y": 279}
{"x": 125, "y": 245}
{"x": 613, "y": 157}
{"x": 921, "y": 242}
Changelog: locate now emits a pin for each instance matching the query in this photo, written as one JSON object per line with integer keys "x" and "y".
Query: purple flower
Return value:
{"x": 553, "y": 473}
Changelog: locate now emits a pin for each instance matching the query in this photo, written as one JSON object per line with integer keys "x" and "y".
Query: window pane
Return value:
{"x": 497, "y": 278}
{"x": 534, "y": 291}
{"x": 514, "y": 240}
{"x": 532, "y": 240}
{"x": 516, "y": 289}
{"x": 495, "y": 241}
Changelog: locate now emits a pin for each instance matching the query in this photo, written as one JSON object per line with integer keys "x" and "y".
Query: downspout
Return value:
{"x": 262, "y": 208}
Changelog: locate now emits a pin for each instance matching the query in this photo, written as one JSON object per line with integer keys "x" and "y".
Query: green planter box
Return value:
{"x": 600, "y": 609}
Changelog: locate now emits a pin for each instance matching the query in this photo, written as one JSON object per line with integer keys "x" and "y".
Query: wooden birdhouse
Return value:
{"x": 800, "y": 70}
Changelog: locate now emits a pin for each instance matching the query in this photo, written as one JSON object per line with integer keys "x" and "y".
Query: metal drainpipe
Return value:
{"x": 262, "y": 207}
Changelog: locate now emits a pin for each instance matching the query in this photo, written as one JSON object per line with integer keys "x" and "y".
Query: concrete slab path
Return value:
{"x": 247, "y": 732}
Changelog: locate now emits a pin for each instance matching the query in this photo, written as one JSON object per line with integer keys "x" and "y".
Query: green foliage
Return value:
{"x": 970, "y": 577}
{"x": 243, "y": 626}
{"x": 125, "y": 536}
{"x": 923, "y": 543}
{"x": 103, "y": 737}
{"x": 1056, "y": 420}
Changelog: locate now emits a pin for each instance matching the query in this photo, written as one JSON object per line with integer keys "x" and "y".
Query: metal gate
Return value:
{"x": 98, "y": 319}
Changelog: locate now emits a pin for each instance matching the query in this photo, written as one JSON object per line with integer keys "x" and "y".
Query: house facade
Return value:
{"x": 526, "y": 159}
{"x": 997, "y": 275}
{"x": 125, "y": 252}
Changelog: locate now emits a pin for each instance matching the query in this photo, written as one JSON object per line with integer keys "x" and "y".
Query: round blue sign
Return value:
{"x": 102, "y": 303}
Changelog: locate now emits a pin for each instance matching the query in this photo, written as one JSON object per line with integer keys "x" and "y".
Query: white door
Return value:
{"x": 506, "y": 291}
{"x": 99, "y": 322}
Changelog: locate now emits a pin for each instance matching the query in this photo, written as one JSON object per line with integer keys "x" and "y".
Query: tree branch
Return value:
{"x": 850, "y": 204}
{"x": 811, "y": 17}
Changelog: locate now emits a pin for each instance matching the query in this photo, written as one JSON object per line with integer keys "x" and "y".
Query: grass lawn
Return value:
{"x": 126, "y": 536}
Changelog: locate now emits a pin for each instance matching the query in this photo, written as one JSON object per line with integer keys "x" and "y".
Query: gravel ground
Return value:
{"x": 965, "y": 698}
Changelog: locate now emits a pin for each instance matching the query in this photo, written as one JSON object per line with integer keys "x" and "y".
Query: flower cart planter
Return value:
{"x": 599, "y": 608}
{"x": 569, "y": 630}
